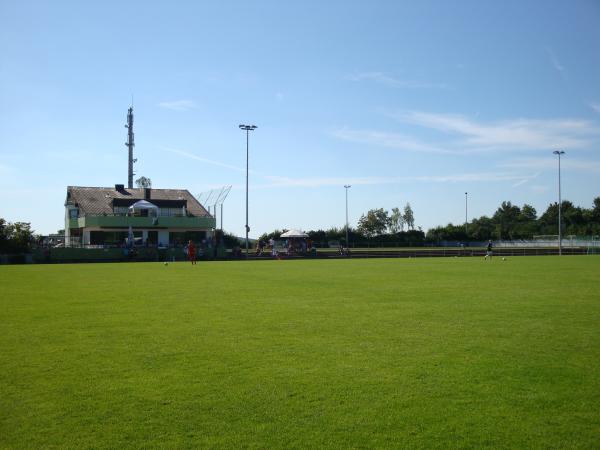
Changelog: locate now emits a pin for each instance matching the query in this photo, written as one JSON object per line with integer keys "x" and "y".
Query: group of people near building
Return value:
{"x": 289, "y": 246}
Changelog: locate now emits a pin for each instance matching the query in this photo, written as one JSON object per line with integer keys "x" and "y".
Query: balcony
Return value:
{"x": 120, "y": 221}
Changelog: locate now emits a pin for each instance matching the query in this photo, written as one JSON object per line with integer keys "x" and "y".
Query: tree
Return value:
{"x": 506, "y": 218}
{"x": 374, "y": 223}
{"x": 528, "y": 213}
{"x": 594, "y": 214}
{"x": 481, "y": 229}
{"x": 3, "y": 234}
{"x": 596, "y": 209}
{"x": 318, "y": 237}
{"x": 409, "y": 217}
{"x": 573, "y": 218}
{"x": 143, "y": 182}
{"x": 228, "y": 239}
{"x": 526, "y": 226}
{"x": 548, "y": 222}
{"x": 396, "y": 221}
{"x": 275, "y": 234}
{"x": 15, "y": 237}
{"x": 448, "y": 233}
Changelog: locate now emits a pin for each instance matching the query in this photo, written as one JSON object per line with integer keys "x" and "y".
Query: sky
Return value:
{"x": 407, "y": 102}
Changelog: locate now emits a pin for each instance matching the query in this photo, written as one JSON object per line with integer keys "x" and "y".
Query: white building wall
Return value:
{"x": 67, "y": 229}
{"x": 68, "y": 209}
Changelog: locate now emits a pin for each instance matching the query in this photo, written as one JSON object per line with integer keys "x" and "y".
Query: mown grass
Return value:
{"x": 388, "y": 353}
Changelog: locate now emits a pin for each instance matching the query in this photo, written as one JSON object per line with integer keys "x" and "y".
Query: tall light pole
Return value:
{"x": 347, "y": 186}
{"x": 466, "y": 205}
{"x": 247, "y": 128}
{"x": 557, "y": 152}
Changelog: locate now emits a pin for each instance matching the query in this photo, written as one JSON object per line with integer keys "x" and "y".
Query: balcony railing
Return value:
{"x": 162, "y": 213}
{"x": 124, "y": 221}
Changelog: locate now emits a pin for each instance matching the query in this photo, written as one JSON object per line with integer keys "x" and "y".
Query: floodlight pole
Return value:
{"x": 347, "y": 186}
{"x": 466, "y": 208}
{"x": 557, "y": 152}
{"x": 247, "y": 128}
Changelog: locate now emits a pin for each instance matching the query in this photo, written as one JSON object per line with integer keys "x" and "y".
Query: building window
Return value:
{"x": 73, "y": 213}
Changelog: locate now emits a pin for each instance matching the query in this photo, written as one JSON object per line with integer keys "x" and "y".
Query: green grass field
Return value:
{"x": 386, "y": 353}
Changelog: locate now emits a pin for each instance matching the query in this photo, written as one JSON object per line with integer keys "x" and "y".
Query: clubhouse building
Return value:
{"x": 107, "y": 216}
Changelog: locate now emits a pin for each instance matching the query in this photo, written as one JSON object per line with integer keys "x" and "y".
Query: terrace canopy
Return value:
{"x": 143, "y": 205}
{"x": 294, "y": 234}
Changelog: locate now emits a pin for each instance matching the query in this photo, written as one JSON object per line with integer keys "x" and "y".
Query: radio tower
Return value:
{"x": 130, "y": 144}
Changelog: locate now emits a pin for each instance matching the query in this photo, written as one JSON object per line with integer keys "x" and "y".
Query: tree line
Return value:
{"x": 509, "y": 222}
{"x": 397, "y": 227}
{"x": 375, "y": 227}
{"x": 15, "y": 237}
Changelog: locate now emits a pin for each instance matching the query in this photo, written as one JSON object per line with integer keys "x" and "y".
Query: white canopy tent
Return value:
{"x": 294, "y": 234}
{"x": 143, "y": 205}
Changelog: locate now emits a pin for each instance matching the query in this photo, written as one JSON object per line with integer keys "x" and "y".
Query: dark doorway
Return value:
{"x": 152, "y": 237}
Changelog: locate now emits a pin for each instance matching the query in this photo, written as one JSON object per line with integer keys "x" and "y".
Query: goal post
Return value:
{"x": 594, "y": 246}
{"x": 546, "y": 240}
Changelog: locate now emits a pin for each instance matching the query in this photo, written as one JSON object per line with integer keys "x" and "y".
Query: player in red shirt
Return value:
{"x": 191, "y": 251}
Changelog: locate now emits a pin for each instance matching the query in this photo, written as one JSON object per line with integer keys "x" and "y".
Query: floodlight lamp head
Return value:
{"x": 558, "y": 152}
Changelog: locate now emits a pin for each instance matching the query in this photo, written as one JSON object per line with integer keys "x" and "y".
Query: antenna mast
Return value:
{"x": 130, "y": 144}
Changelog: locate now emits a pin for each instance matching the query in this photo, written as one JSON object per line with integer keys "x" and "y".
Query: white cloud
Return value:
{"x": 279, "y": 181}
{"x": 555, "y": 62}
{"x": 515, "y": 134}
{"x": 179, "y": 105}
{"x": 539, "y": 189}
{"x": 382, "y": 78}
{"x": 458, "y": 134}
{"x": 551, "y": 163}
{"x": 476, "y": 177}
{"x": 521, "y": 182}
{"x": 202, "y": 159}
{"x": 386, "y": 139}
{"x": 595, "y": 106}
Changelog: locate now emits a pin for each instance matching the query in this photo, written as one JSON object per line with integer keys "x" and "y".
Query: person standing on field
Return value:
{"x": 272, "y": 244}
{"x": 191, "y": 250}
{"x": 489, "y": 250}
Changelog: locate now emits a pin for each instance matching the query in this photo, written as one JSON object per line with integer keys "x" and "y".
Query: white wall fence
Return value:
{"x": 546, "y": 243}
